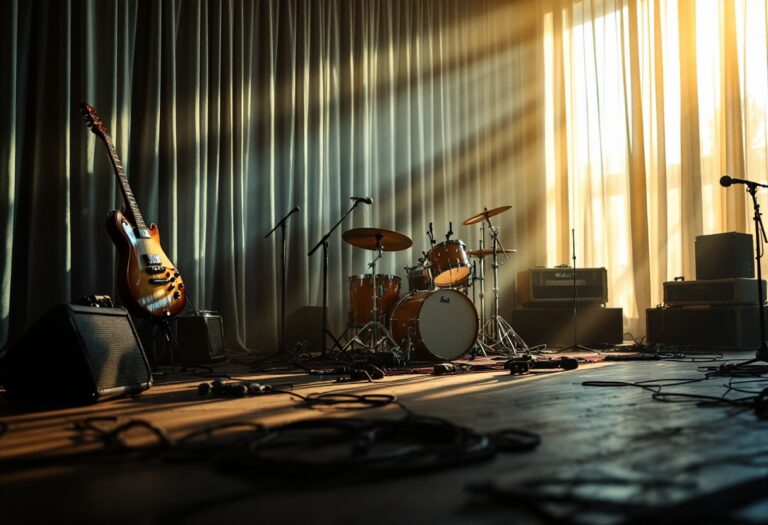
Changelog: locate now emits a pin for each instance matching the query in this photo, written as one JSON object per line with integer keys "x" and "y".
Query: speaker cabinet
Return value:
{"x": 724, "y": 256}
{"x": 73, "y": 355}
{"x": 201, "y": 337}
{"x": 554, "y": 326}
{"x": 720, "y": 327}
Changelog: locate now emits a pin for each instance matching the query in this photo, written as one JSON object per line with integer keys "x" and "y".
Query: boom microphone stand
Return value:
{"x": 283, "y": 256}
{"x": 324, "y": 331}
{"x": 760, "y": 238}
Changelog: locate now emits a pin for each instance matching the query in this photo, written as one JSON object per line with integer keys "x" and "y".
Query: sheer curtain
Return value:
{"x": 648, "y": 104}
{"x": 229, "y": 113}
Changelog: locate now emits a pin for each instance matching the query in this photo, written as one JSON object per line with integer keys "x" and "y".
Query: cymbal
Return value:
{"x": 485, "y": 214}
{"x": 489, "y": 251}
{"x": 367, "y": 238}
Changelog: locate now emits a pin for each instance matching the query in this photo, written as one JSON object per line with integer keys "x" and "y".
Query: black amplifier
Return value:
{"x": 554, "y": 286}
{"x": 724, "y": 255}
{"x": 712, "y": 292}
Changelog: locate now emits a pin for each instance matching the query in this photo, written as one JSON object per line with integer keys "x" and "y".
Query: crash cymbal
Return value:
{"x": 367, "y": 238}
{"x": 485, "y": 214}
{"x": 489, "y": 251}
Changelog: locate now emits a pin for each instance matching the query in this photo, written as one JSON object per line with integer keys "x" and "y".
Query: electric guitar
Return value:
{"x": 148, "y": 282}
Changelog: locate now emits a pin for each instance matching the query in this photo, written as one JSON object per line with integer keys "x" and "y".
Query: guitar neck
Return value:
{"x": 125, "y": 188}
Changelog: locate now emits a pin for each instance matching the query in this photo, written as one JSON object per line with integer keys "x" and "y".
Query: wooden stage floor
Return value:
{"x": 607, "y": 454}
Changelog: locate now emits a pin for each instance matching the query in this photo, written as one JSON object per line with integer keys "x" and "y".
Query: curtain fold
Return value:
{"x": 228, "y": 114}
{"x": 594, "y": 116}
{"x": 662, "y": 98}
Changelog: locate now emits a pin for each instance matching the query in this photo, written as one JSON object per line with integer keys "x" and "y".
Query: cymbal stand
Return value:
{"x": 482, "y": 274}
{"x": 498, "y": 333}
{"x": 283, "y": 257}
{"x": 324, "y": 331}
{"x": 374, "y": 326}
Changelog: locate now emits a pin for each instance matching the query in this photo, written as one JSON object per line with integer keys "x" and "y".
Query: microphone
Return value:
{"x": 282, "y": 221}
{"x": 726, "y": 181}
{"x": 366, "y": 200}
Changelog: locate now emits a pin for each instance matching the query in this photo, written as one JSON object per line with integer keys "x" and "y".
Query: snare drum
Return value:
{"x": 442, "y": 324}
{"x": 419, "y": 278}
{"x": 449, "y": 265}
{"x": 360, "y": 309}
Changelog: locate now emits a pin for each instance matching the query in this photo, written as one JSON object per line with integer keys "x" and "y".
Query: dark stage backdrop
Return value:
{"x": 229, "y": 113}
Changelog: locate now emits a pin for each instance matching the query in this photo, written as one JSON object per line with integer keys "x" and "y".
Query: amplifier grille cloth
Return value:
{"x": 115, "y": 359}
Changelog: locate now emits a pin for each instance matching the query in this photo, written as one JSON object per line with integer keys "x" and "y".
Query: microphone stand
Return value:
{"x": 760, "y": 238}
{"x": 324, "y": 331}
{"x": 283, "y": 256}
{"x": 575, "y": 345}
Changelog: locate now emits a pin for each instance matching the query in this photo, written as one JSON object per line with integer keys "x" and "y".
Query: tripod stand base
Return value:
{"x": 499, "y": 336}
{"x": 380, "y": 339}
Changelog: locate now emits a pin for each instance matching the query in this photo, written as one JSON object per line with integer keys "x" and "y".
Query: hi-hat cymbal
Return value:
{"x": 489, "y": 251}
{"x": 485, "y": 214}
{"x": 369, "y": 239}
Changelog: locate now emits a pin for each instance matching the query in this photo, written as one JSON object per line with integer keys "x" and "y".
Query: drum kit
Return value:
{"x": 436, "y": 319}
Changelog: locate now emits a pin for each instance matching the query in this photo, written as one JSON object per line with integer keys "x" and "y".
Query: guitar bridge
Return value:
{"x": 153, "y": 270}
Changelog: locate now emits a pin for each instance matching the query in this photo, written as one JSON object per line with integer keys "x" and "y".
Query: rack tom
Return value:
{"x": 419, "y": 278}
{"x": 449, "y": 265}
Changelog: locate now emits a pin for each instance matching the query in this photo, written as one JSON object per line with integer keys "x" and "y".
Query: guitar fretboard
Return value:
{"x": 125, "y": 188}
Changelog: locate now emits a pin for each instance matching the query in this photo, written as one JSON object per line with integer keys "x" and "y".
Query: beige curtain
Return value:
{"x": 609, "y": 119}
{"x": 648, "y": 103}
{"x": 229, "y": 113}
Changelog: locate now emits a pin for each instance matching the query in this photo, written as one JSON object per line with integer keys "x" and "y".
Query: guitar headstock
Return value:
{"x": 93, "y": 120}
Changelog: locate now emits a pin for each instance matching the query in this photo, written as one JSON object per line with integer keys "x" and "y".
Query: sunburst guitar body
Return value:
{"x": 148, "y": 282}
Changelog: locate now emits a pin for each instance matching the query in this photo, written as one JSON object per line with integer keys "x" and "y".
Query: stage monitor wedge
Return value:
{"x": 75, "y": 355}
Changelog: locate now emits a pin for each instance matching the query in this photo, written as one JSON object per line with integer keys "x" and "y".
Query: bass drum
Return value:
{"x": 442, "y": 324}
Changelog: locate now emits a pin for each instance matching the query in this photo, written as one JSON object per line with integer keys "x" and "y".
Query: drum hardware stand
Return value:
{"x": 482, "y": 275}
{"x": 324, "y": 331}
{"x": 575, "y": 345}
{"x": 283, "y": 257}
{"x": 480, "y": 347}
{"x": 496, "y": 329}
{"x": 374, "y": 326}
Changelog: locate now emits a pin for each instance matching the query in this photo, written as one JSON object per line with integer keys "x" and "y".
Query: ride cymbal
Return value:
{"x": 371, "y": 238}
{"x": 485, "y": 214}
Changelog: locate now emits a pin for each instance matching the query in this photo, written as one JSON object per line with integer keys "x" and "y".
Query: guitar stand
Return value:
{"x": 170, "y": 344}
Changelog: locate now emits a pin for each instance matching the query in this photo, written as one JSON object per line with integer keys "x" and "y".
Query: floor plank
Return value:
{"x": 599, "y": 446}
